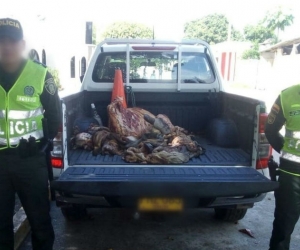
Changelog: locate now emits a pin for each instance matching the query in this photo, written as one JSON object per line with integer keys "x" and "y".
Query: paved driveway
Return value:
{"x": 116, "y": 229}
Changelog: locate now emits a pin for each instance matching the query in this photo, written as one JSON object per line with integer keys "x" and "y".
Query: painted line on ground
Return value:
{"x": 21, "y": 227}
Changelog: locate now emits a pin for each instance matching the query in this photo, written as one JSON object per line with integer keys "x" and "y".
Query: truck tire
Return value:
{"x": 229, "y": 214}
{"x": 74, "y": 212}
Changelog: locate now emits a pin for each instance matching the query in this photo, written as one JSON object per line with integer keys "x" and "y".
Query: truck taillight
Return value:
{"x": 262, "y": 122}
{"x": 264, "y": 148}
{"x": 56, "y": 162}
{"x": 56, "y": 153}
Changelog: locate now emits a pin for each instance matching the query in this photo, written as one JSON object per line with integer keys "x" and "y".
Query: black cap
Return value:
{"x": 10, "y": 28}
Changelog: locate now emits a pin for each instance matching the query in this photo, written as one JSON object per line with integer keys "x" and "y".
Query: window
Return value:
{"x": 33, "y": 55}
{"x": 152, "y": 67}
{"x": 44, "y": 60}
{"x": 286, "y": 50}
{"x": 106, "y": 65}
{"x": 72, "y": 67}
{"x": 195, "y": 68}
{"x": 82, "y": 66}
{"x": 297, "y": 49}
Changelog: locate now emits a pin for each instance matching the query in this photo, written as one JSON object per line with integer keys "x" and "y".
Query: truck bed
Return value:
{"x": 192, "y": 111}
{"x": 213, "y": 156}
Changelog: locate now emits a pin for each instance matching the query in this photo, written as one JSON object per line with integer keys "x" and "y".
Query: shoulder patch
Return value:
{"x": 276, "y": 108}
{"x": 37, "y": 62}
{"x": 50, "y": 86}
{"x": 271, "y": 118}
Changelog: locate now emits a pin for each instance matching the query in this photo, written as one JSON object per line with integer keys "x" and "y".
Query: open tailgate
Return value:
{"x": 163, "y": 181}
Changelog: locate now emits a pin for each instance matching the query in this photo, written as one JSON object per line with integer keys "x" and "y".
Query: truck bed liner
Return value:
{"x": 214, "y": 156}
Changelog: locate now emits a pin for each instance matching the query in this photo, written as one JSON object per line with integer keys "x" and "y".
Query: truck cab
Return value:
{"x": 180, "y": 80}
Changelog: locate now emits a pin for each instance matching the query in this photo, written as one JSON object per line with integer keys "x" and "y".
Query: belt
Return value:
{"x": 15, "y": 151}
{"x": 9, "y": 151}
{"x": 290, "y": 167}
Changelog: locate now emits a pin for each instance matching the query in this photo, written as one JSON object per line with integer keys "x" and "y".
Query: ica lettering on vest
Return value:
{"x": 21, "y": 111}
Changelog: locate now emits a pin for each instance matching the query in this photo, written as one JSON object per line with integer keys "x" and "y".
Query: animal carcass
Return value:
{"x": 176, "y": 147}
{"x": 82, "y": 140}
{"x": 128, "y": 121}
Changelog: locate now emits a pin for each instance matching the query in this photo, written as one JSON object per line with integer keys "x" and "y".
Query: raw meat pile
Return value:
{"x": 139, "y": 137}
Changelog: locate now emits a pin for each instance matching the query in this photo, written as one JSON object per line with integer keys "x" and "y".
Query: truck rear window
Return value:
{"x": 195, "y": 68}
{"x": 106, "y": 64}
{"x": 154, "y": 67}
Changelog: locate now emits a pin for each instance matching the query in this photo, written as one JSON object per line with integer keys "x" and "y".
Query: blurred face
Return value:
{"x": 11, "y": 51}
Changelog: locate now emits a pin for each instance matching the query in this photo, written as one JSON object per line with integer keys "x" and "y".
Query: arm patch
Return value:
{"x": 275, "y": 108}
{"x": 50, "y": 86}
{"x": 271, "y": 118}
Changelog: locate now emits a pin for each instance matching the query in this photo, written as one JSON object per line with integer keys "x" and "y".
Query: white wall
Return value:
{"x": 279, "y": 71}
{"x": 61, "y": 39}
{"x": 246, "y": 72}
{"x": 235, "y": 49}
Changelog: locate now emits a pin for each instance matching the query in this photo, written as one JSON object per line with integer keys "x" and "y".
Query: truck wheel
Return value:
{"x": 74, "y": 212}
{"x": 230, "y": 215}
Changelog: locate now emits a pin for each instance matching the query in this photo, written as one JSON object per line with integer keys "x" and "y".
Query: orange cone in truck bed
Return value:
{"x": 118, "y": 89}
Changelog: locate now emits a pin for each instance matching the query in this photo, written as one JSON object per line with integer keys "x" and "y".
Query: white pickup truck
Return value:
{"x": 180, "y": 80}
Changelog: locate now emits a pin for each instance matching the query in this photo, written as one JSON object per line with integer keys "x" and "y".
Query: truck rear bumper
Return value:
{"x": 194, "y": 202}
{"x": 163, "y": 181}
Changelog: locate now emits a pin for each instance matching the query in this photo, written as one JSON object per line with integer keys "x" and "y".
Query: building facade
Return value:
{"x": 61, "y": 46}
{"x": 279, "y": 65}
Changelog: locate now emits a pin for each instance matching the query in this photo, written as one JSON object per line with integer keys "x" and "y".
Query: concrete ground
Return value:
{"x": 116, "y": 229}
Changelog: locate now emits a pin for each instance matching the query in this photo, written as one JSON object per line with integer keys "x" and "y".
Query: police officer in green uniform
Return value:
{"x": 28, "y": 95}
{"x": 286, "y": 111}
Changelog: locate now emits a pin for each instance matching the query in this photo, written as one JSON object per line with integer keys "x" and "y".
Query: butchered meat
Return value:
{"x": 127, "y": 121}
{"x": 140, "y": 137}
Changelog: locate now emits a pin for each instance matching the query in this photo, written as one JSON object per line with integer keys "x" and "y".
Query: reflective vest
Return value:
{"x": 290, "y": 102}
{"x": 21, "y": 111}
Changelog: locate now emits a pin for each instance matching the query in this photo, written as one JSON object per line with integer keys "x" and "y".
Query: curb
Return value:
{"x": 21, "y": 227}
